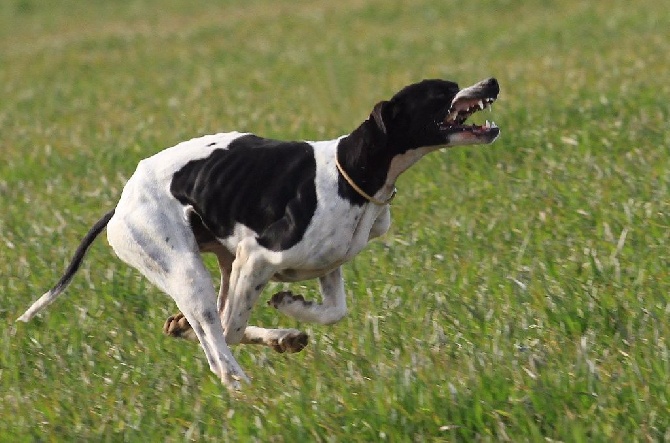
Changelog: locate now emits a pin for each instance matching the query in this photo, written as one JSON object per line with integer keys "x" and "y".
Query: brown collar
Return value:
{"x": 361, "y": 192}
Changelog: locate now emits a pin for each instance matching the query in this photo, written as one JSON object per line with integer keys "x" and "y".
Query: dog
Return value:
{"x": 273, "y": 210}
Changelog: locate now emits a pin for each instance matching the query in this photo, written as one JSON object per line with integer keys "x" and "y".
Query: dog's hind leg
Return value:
{"x": 177, "y": 325}
{"x": 332, "y": 308}
{"x": 163, "y": 248}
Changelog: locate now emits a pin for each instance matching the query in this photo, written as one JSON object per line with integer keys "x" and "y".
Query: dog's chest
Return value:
{"x": 328, "y": 243}
{"x": 337, "y": 235}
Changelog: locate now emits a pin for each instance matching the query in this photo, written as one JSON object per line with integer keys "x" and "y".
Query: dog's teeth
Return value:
{"x": 488, "y": 124}
{"x": 481, "y": 104}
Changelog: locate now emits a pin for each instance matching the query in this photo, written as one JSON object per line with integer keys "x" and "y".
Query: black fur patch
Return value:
{"x": 267, "y": 185}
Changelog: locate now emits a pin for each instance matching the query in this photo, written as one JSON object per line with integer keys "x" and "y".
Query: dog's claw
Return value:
{"x": 279, "y": 297}
{"x": 285, "y": 298}
{"x": 177, "y": 326}
{"x": 290, "y": 343}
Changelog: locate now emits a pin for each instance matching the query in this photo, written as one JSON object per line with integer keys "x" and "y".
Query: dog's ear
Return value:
{"x": 378, "y": 114}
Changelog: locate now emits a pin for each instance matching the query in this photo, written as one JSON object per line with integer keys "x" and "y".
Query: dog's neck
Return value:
{"x": 367, "y": 161}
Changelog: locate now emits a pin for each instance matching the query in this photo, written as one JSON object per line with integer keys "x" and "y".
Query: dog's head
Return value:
{"x": 432, "y": 113}
{"x": 417, "y": 120}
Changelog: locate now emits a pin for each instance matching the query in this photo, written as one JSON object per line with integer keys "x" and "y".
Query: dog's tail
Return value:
{"x": 72, "y": 268}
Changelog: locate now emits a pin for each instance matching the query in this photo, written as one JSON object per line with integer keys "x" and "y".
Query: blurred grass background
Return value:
{"x": 521, "y": 294}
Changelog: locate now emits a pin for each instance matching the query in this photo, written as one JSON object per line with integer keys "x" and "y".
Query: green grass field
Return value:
{"x": 522, "y": 293}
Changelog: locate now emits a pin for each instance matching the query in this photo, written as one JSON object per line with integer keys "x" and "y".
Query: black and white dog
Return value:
{"x": 273, "y": 210}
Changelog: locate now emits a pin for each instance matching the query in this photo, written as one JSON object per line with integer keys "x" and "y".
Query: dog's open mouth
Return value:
{"x": 468, "y": 101}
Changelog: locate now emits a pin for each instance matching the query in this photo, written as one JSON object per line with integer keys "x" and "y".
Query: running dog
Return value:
{"x": 273, "y": 210}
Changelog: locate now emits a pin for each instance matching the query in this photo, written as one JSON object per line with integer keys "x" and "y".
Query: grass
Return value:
{"x": 521, "y": 294}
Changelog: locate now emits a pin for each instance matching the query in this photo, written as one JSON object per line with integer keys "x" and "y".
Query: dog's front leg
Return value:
{"x": 332, "y": 308}
{"x": 281, "y": 340}
{"x": 250, "y": 273}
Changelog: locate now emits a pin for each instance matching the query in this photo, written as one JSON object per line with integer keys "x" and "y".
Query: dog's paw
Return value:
{"x": 279, "y": 298}
{"x": 285, "y": 298}
{"x": 292, "y": 342}
{"x": 178, "y": 326}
